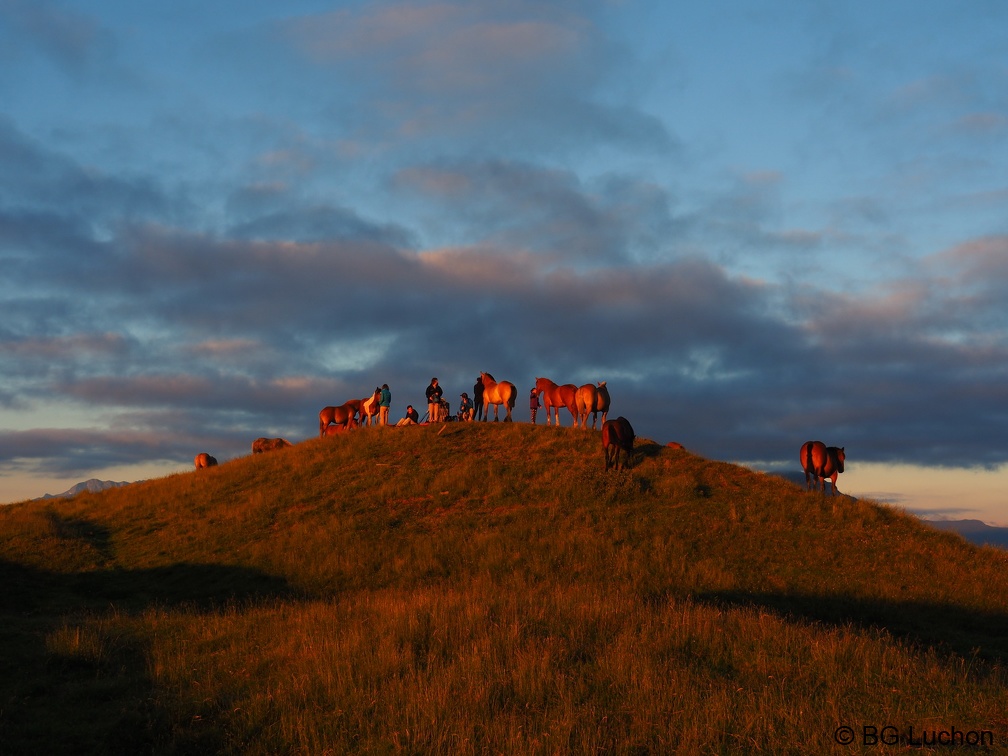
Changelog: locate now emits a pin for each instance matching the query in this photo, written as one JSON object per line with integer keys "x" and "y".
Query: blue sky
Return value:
{"x": 759, "y": 222}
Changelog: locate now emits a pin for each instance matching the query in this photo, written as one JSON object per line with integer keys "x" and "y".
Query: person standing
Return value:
{"x": 384, "y": 404}
{"x": 534, "y": 405}
{"x": 478, "y": 398}
{"x": 434, "y": 393}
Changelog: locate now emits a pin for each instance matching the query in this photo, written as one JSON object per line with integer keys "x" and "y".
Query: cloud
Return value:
{"x": 520, "y": 76}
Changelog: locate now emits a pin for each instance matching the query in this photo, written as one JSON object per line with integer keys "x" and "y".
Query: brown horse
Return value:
{"x": 602, "y": 405}
{"x": 369, "y": 408}
{"x": 554, "y": 397}
{"x": 586, "y": 398}
{"x": 497, "y": 394}
{"x": 203, "y": 459}
{"x": 821, "y": 462}
{"x": 592, "y": 400}
{"x": 617, "y": 435}
{"x": 261, "y": 445}
{"x": 343, "y": 416}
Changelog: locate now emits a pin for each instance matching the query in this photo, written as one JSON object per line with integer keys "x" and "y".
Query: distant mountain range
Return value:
{"x": 974, "y": 531}
{"x": 91, "y": 486}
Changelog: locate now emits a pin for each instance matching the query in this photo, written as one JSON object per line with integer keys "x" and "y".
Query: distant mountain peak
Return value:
{"x": 91, "y": 486}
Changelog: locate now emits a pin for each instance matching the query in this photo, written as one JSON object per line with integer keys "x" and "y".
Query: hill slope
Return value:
{"x": 468, "y": 588}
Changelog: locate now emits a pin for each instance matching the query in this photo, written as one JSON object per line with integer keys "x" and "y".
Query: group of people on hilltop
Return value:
{"x": 437, "y": 408}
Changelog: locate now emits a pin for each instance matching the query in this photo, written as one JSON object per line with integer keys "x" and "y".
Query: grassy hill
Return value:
{"x": 487, "y": 588}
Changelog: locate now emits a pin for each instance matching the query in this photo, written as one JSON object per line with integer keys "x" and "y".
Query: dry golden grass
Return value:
{"x": 488, "y": 589}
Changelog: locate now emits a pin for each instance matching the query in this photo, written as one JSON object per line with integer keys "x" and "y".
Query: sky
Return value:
{"x": 759, "y": 222}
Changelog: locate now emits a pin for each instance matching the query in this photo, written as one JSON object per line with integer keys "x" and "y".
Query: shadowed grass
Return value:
{"x": 487, "y": 588}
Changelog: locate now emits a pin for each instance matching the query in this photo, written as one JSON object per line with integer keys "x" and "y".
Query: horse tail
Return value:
{"x": 808, "y": 457}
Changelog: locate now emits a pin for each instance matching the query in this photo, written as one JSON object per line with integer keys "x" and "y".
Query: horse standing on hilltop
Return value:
{"x": 617, "y": 435}
{"x": 369, "y": 408}
{"x": 821, "y": 462}
{"x": 554, "y": 397}
{"x": 592, "y": 400}
{"x": 494, "y": 393}
{"x": 586, "y": 399}
{"x": 203, "y": 460}
{"x": 602, "y": 403}
{"x": 343, "y": 416}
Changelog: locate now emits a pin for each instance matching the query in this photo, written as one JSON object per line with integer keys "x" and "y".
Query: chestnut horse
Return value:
{"x": 617, "y": 435}
{"x": 586, "y": 398}
{"x": 554, "y": 397}
{"x": 497, "y": 394}
{"x": 592, "y": 400}
{"x": 343, "y": 416}
{"x": 203, "y": 459}
{"x": 821, "y": 462}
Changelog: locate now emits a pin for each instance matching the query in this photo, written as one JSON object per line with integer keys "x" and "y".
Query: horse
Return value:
{"x": 497, "y": 394}
{"x": 555, "y": 397}
{"x": 261, "y": 445}
{"x": 369, "y": 408}
{"x": 203, "y": 459}
{"x": 602, "y": 405}
{"x": 821, "y": 462}
{"x": 617, "y": 435}
{"x": 343, "y": 416}
{"x": 586, "y": 398}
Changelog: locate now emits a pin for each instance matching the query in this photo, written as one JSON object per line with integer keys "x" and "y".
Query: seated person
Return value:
{"x": 412, "y": 416}
{"x": 465, "y": 408}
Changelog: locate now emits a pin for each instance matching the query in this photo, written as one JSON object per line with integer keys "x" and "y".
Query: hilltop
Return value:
{"x": 487, "y": 587}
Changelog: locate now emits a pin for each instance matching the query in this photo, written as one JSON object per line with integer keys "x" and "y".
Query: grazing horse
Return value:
{"x": 602, "y": 405}
{"x": 343, "y": 416}
{"x": 203, "y": 459}
{"x": 369, "y": 408}
{"x": 497, "y": 394}
{"x": 617, "y": 435}
{"x": 821, "y": 462}
{"x": 586, "y": 398}
{"x": 261, "y": 445}
{"x": 555, "y": 397}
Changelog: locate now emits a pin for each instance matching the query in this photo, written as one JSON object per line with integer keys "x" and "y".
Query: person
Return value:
{"x": 478, "y": 398}
{"x": 412, "y": 417}
{"x": 384, "y": 404}
{"x": 465, "y": 408}
{"x": 434, "y": 393}
{"x": 534, "y": 405}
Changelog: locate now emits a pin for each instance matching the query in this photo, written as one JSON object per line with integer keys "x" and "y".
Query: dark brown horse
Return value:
{"x": 554, "y": 397}
{"x": 494, "y": 393}
{"x": 821, "y": 462}
{"x": 617, "y": 435}
{"x": 602, "y": 405}
{"x": 261, "y": 445}
{"x": 343, "y": 416}
{"x": 203, "y": 459}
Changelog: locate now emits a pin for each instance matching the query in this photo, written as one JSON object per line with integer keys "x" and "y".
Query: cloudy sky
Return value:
{"x": 759, "y": 222}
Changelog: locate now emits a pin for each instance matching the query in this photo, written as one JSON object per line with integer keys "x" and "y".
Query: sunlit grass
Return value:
{"x": 488, "y": 588}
